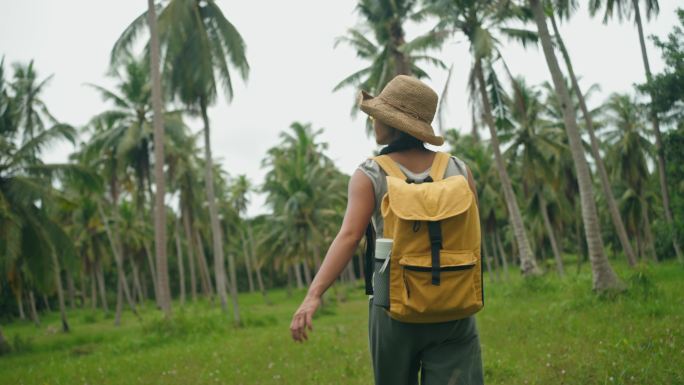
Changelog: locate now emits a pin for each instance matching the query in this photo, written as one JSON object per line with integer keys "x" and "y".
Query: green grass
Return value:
{"x": 541, "y": 331}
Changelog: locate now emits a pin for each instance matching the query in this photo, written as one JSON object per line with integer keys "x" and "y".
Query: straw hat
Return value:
{"x": 406, "y": 104}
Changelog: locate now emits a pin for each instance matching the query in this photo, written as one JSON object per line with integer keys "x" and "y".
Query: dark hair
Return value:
{"x": 403, "y": 142}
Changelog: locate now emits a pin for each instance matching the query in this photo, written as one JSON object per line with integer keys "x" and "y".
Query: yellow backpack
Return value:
{"x": 435, "y": 270}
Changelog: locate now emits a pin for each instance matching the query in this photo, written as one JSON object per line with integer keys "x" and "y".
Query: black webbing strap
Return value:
{"x": 370, "y": 256}
{"x": 435, "y": 232}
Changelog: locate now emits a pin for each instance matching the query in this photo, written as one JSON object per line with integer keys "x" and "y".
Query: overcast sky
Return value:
{"x": 293, "y": 68}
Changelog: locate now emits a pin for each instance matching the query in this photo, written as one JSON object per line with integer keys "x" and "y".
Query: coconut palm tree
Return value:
{"x": 628, "y": 152}
{"x": 387, "y": 51}
{"x": 303, "y": 188}
{"x": 32, "y": 113}
{"x": 564, "y": 10}
{"x": 481, "y": 22}
{"x": 534, "y": 143}
{"x": 31, "y": 237}
{"x": 200, "y": 45}
{"x": 164, "y": 291}
{"x": 625, "y": 9}
{"x": 604, "y": 278}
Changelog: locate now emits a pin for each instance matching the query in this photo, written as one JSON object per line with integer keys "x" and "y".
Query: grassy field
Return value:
{"x": 543, "y": 331}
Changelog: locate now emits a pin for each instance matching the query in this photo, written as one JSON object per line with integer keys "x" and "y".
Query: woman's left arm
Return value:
{"x": 360, "y": 205}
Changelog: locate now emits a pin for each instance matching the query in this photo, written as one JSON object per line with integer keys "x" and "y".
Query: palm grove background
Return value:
{"x": 141, "y": 217}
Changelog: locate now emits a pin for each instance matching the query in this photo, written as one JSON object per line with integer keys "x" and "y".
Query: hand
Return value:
{"x": 302, "y": 318}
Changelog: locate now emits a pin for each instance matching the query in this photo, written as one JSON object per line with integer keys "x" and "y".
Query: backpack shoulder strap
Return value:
{"x": 389, "y": 166}
{"x": 439, "y": 166}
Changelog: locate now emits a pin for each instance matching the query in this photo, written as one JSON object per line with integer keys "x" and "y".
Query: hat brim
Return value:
{"x": 395, "y": 118}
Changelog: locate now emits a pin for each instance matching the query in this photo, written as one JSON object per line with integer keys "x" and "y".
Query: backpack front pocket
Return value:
{"x": 456, "y": 295}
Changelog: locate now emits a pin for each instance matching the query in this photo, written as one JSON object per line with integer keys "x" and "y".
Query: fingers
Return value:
{"x": 298, "y": 327}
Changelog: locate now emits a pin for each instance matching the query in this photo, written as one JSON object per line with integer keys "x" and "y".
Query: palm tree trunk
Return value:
{"x": 298, "y": 275}
{"x": 552, "y": 234}
{"x": 248, "y": 262}
{"x": 93, "y": 289}
{"x": 487, "y": 260}
{"x": 257, "y": 265}
{"x": 288, "y": 287}
{"x": 152, "y": 268}
{"x": 181, "y": 269}
{"x": 137, "y": 287}
{"x": 234, "y": 290}
{"x": 662, "y": 176}
{"x": 207, "y": 286}
{"x": 600, "y": 165}
{"x": 118, "y": 259}
{"x": 528, "y": 265}
{"x": 32, "y": 307}
{"x": 401, "y": 61}
{"x": 164, "y": 290}
{"x": 46, "y": 303}
{"x": 502, "y": 254}
{"x": 307, "y": 273}
{"x": 604, "y": 278}
{"x": 648, "y": 233}
{"x": 57, "y": 270}
{"x": 119, "y": 302}
{"x": 83, "y": 288}
{"x": 191, "y": 255}
{"x": 71, "y": 290}
{"x": 101, "y": 285}
{"x": 20, "y": 304}
{"x": 217, "y": 238}
{"x": 495, "y": 255}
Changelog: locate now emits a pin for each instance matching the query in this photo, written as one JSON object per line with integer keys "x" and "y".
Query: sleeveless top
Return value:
{"x": 378, "y": 178}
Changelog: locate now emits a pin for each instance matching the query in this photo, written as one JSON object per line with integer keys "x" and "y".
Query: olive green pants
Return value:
{"x": 446, "y": 353}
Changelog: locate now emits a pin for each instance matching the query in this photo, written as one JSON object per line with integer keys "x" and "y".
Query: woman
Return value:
{"x": 445, "y": 352}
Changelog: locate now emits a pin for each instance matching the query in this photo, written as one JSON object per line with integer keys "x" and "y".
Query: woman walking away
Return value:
{"x": 426, "y": 282}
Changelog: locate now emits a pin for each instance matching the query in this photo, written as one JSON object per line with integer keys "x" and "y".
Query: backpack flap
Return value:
{"x": 433, "y": 201}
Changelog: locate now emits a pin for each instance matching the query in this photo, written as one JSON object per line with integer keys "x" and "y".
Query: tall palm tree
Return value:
{"x": 564, "y": 10}
{"x": 604, "y": 278}
{"x": 303, "y": 187}
{"x": 534, "y": 144}
{"x": 31, "y": 237}
{"x": 123, "y": 135}
{"x": 239, "y": 193}
{"x": 198, "y": 44}
{"x": 481, "y": 22}
{"x": 163, "y": 290}
{"x": 629, "y": 151}
{"x": 32, "y": 113}
{"x": 387, "y": 51}
{"x": 624, "y": 9}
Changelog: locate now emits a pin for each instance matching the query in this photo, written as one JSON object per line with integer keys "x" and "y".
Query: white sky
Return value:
{"x": 293, "y": 68}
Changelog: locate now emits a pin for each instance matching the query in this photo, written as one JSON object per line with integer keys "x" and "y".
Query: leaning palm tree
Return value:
{"x": 199, "y": 45}
{"x": 564, "y": 10}
{"x": 480, "y": 22}
{"x": 604, "y": 278}
{"x": 625, "y": 9}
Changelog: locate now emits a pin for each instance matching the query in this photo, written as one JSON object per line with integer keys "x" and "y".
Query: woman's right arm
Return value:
{"x": 360, "y": 205}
